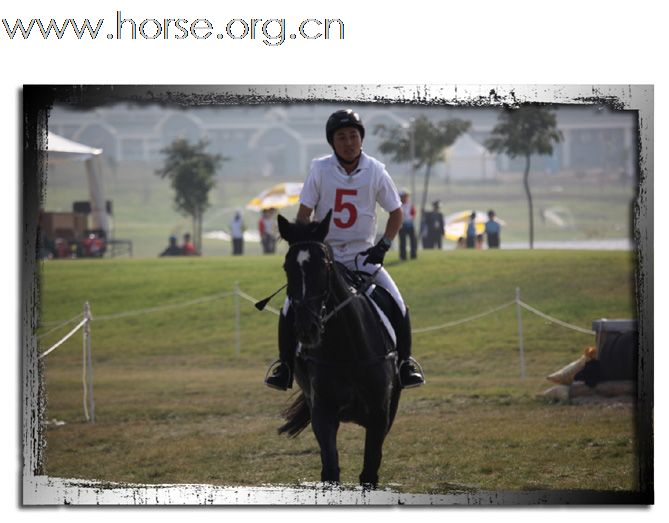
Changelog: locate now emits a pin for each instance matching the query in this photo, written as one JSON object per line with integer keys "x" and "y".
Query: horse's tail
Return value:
{"x": 297, "y": 417}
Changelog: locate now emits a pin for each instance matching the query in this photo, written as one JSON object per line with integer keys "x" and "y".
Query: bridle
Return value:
{"x": 321, "y": 316}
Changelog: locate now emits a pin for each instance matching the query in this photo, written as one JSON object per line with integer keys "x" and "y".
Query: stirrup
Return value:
{"x": 276, "y": 365}
{"x": 420, "y": 371}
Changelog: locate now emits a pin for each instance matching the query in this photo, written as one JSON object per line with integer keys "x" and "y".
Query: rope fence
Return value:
{"x": 464, "y": 320}
{"x": 87, "y": 366}
{"x": 64, "y": 339}
{"x": 172, "y": 306}
{"x": 555, "y": 320}
{"x": 58, "y": 326}
{"x": 237, "y": 293}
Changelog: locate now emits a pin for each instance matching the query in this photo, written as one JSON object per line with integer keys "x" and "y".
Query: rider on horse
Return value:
{"x": 350, "y": 183}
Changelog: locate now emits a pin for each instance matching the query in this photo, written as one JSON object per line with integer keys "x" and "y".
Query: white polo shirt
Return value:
{"x": 353, "y": 200}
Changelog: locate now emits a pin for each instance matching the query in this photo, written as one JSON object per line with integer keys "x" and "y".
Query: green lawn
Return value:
{"x": 175, "y": 403}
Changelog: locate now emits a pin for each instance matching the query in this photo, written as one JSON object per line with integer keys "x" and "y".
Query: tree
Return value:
{"x": 524, "y": 131}
{"x": 191, "y": 172}
{"x": 429, "y": 141}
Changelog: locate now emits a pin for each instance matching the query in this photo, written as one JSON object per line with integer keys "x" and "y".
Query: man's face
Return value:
{"x": 347, "y": 143}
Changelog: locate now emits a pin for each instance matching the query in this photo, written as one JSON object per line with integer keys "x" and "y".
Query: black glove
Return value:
{"x": 376, "y": 254}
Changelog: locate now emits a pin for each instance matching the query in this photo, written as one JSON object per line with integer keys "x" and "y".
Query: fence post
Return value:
{"x": 87, "y": 367}
{"x": 237, "y": 320}
{"x": 521, "y": 347}
{"x": 89, "y": 348}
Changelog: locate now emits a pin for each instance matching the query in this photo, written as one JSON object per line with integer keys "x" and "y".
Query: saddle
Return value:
{"x": 382, "y": 302}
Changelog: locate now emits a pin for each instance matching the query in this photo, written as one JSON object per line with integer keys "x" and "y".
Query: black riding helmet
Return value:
{"x": 343, "y": 118}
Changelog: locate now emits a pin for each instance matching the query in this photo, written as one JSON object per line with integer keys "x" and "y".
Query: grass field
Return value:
{"x": 176, "y": 404}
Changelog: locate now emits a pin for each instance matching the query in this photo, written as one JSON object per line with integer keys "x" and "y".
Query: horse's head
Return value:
{"x": 308, "y": 266}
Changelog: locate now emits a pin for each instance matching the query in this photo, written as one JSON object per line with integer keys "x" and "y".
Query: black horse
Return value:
{"x": 346, "y": 364}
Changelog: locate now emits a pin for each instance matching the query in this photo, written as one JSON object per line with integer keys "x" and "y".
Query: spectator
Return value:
{"x": 93, "y": 246}
{"x": 237, "y": 234}
{"x": 267, "y": 230}
{"x": 62, "y": 248}
{"x": 261, "y": 229}
{"x": 471, "y": 231}
{"x": 492, "y": 230}
{"x": 432, "y": 227}
{"x": 436, "y": 225}
{"x": 407, "y": 229}
{"x": 188, "y": 249}
{"x": 425, "y": 237}
{"x": 172, "y": 249}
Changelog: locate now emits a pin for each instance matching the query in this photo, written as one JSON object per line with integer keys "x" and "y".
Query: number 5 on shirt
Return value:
{"x": 341, "y": 205}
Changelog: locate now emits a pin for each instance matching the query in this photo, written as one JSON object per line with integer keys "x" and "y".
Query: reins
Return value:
{"x": 356, "y": 292}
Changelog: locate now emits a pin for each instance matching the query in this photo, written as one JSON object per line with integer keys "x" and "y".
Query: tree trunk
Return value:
{"x": 199, "y": 232}
{"x": 197, "y": 235}
{"x": 526, "y": 183}
{"x": 426, "y": 183}
{"x": 194, "y": 228}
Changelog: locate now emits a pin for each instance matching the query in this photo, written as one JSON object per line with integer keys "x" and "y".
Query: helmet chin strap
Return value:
{"x": 347, "y": 162}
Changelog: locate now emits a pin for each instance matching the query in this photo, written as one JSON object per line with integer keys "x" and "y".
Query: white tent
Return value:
{"x": 467, "y": 159}
{"x": 62, "y": 150}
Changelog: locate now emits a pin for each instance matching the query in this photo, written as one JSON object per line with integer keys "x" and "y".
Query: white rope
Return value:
{"x": 254, "y": 300}
{"x": 62, "y": 324}
{"x": 67, "y": 337}
{"x": 163, "y": 307}
{"x": 554, "y": 320}
{"x": 465, "y": 320}
{"x": 275, "y": 311}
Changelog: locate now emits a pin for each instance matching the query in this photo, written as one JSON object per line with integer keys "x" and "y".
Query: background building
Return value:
{"x": 280, "y": 140}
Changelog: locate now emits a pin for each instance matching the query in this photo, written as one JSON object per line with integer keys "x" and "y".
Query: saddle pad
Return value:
{"x": 380, "y": 299}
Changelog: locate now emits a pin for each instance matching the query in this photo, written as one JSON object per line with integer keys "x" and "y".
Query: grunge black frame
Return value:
{"x": 37, "y": 100}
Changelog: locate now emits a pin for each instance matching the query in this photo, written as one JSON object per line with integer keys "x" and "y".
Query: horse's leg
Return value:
{"x": 325, "y": 424}
{"x": 374, "y": 437}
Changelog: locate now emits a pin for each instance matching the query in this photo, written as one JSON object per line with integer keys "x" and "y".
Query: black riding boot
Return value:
{"x": 280, "y": 374}
{"x": 409, "y": 370}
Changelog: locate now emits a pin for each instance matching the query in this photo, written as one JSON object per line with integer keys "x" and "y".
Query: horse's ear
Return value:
{"x": 323, "y": 227}
{"x": 284, "y": 228}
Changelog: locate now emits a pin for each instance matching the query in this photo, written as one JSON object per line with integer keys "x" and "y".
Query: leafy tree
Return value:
{"x": 191, "y": 172}
{"x": 525, "y": 131}
{"x": 429, "y": 141}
